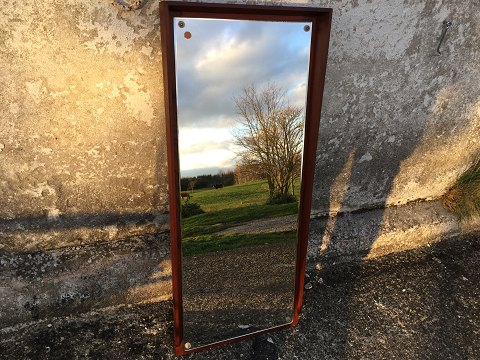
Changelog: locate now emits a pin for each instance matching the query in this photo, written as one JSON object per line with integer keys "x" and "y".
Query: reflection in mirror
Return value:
{"x": 241, "y": 94}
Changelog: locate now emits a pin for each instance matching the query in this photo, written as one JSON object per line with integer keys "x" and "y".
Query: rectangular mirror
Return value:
{"x": 243, "y": 97}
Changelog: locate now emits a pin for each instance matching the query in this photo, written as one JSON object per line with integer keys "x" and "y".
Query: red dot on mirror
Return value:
{"x": 187, "y": 35}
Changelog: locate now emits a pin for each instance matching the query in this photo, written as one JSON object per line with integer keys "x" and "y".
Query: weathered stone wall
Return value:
{"x": 81, "y": 128}
{"x": 83, "y": 153}
{"x": 400, "y": 122}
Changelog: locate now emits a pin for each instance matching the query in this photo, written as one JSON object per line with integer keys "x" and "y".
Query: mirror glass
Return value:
{"x": 241, "y": 95}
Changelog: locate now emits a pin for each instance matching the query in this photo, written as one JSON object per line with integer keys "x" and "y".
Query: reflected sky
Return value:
{"x": 213, "y": 66}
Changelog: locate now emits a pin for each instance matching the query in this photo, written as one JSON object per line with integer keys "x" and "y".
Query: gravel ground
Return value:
{"x": 422, "y": 304}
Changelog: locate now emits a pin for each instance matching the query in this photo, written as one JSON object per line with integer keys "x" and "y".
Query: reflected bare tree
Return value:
{"x": 270, "y": 137}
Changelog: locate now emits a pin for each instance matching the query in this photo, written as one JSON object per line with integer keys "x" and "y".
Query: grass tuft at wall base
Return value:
{"x": 463, "y": 199}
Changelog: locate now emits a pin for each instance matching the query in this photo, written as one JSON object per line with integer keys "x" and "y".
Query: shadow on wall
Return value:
{"x": 75, "y": 221}
{"x": 76, "y": 279}
{"x": 359, "y": 171}
{"x": 99, "y": 124}
{"x": 346, "y": 234}
{"x": 34, "y": 233}
{"x": 335, "y": 240}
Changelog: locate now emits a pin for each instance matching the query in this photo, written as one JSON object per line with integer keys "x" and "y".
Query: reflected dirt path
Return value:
{"x": 268, "y": 225}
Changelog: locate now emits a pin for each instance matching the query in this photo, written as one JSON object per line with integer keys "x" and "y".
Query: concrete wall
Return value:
{"x": 83, "y": 190}
{"x": 400, "y": 122}
{"x": 81, "y": 129}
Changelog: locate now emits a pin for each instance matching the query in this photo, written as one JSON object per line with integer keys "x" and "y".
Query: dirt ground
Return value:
{"x": 421, "y": 304}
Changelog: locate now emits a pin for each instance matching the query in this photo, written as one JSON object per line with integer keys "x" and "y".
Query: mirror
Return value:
{"x": 239, "y": 128}
{"x": 241, "y": 95}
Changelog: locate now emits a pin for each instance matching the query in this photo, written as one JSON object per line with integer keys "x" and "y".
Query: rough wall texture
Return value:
{"x": 400, "y": 122}
{"x": 80, "y": 278}
{"x": 82, "y": 143}
{"x": 82, "y": 154}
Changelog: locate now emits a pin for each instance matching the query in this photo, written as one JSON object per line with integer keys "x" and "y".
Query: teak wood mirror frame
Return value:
{"x": 321, "y": 23}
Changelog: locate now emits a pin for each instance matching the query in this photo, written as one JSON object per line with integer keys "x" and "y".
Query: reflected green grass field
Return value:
{"x": 230, "y": 197}
{"x": 227, "y": 207}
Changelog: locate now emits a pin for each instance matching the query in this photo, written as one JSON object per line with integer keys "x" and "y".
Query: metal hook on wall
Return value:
{"x": 446, "y": 25}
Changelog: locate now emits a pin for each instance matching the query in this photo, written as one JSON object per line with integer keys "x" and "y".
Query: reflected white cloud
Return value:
{"x": 216, "y": 63}
{"x": 220, "y": 158}
{"x": 206, "y": 148}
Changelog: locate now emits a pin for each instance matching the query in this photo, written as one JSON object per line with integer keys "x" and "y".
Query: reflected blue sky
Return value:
{"x": 214, "y": 65}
